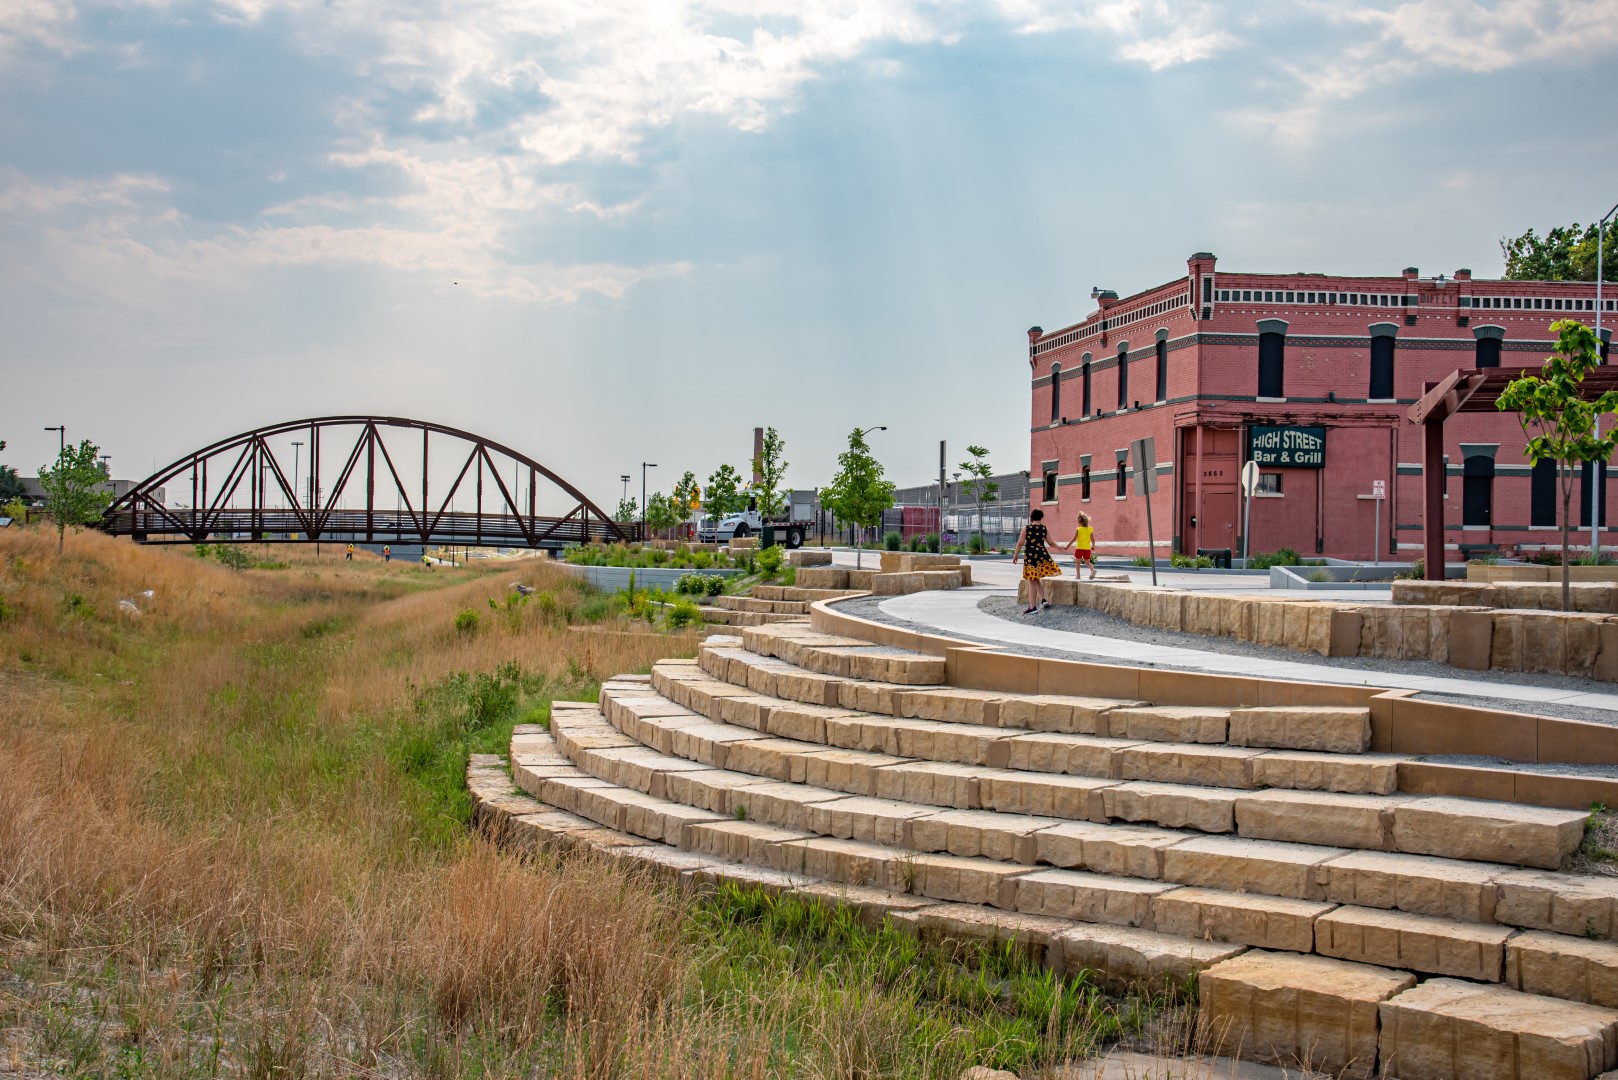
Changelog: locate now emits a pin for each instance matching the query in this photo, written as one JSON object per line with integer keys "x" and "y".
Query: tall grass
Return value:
{"x": 233, "y": 841}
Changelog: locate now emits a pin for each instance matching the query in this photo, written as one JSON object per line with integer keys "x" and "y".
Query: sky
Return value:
{"x": 613, "y": 231}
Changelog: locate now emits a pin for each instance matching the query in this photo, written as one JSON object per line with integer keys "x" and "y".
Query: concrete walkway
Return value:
{"x": 956, "y": 612}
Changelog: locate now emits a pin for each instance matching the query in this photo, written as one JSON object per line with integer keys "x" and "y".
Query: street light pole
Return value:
{"x": 643, "y": 467}
{"x": 1596, "y": 485}
{"x": 61, "y": 432}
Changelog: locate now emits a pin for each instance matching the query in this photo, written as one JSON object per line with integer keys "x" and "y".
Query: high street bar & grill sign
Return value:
{"x": 1291, "y": 447}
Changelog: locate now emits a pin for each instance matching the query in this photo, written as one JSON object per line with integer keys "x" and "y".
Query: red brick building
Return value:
{"x": 1313, "y": 376}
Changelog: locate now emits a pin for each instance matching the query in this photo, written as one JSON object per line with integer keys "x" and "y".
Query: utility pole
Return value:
{"x": 1596, "y": 477}
{"x": 643, "y": 467}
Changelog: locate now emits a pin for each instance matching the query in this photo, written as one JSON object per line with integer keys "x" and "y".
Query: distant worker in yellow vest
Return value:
{"x": 425, "y": 561}
{"x": 387, "y": 553}
{"x": 1084, "y": 542}
{"x": 350, "y": 555}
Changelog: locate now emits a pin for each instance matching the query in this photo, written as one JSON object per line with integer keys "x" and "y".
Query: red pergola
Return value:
{"x": 1476, "y": 390}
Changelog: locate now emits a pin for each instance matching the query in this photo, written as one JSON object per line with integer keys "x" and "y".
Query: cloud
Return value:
{"x": 1157, "y": 33}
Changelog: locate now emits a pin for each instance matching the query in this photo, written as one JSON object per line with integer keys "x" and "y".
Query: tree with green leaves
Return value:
{"x": 978, "y": 470}
{"x": 858, "y": 494}
{"x": 662, "y": 512}
{"x": 687, "y": 495}
{"x": 11, "y": 487}
{"x": 1559, "y": 420}
{"x": 75, "y": 489}
{"x": 628, "y": 510}
{"x": 771, "y": 471}
{"x": 1565, "y": 253}
{"x": 724, "y": 494}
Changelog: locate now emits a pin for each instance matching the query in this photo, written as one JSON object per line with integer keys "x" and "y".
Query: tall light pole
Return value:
{"x": 643, "y": 467}
{"x": 61, "y": 432}
{"x": 1596, "y": 483}
{"x": 625, "y": 478}
{"x": 297, "y": 449}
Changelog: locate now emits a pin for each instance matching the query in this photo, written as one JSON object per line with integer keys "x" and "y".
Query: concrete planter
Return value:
{"x": 1336, "y": 578}
{"x": 616, "y": 578}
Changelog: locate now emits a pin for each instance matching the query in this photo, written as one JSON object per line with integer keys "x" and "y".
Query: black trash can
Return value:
{"x": 1220, "y": 556}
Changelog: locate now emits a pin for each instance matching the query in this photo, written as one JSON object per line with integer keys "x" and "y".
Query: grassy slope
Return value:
{"x": 233, "y": 842}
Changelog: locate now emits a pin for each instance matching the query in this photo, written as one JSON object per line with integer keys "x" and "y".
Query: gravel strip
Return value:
{"x": 1086, "y": 621}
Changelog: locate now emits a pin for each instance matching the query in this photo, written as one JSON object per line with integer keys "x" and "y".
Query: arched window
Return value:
{"x": 1162, "y": 365}
{"x": 1477, "y": 490}
{"x": 1123, "y": 374}
{"x": 1382, "y": 343}
{"x": 1272, "y": 348}
{"x": 1489, "y": 342}
{"x": 1085, "y": 371}
{"x": 1056, "y": 392}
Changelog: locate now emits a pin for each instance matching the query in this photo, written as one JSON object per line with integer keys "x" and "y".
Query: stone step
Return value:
{"x": 947, "y": 765}
{"x": 1215, "y": 890}
{"x": 848, "y": 658}
{"x": 769, "y": 653}
{"x": 962, "y": 741}
{"x": 724, "y": 616}
{"x": 770, "y": 607}
{"x": 799, "y": 594}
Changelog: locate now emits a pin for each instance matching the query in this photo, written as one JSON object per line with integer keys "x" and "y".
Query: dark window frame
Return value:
{"x": 1162, "y": 369}
{"x": 1272, "y": 352}
{"x": 1056, "y": 392}
{"x": 1383, "y": 350}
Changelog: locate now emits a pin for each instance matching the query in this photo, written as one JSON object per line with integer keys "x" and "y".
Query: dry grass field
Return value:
{"x": 234, "y": 842}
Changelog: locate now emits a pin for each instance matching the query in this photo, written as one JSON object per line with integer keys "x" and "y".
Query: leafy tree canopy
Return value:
{"x": 662, "y": 512}
{"x": 858, "y": 494}
{"x": 10, "y": 483}
{"x": 686, "y": 492}
{"x": 771, "y": 471}
{"x": 724, "y": 495}
{"x": 75, "y": 488}
{"x": 628, "y": 510}
{"x": 1565, "y": 253}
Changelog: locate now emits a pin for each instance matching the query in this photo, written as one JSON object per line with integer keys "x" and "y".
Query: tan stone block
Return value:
{"x": 1318, "y": 637}
{"x": 1126, "y": 850}
{"x": 1583, "y": 646}
{"x": 1370, "y": 774}
{"x": 1558, "y": 966}
{"x": 1284, "y": 1009}
{"x": 853, "y": 771}
{"x": 1488, "y": 831}
{"x": 805, "y": 557}
{"x": 1264, "y": 922}
{"x": 891, "y": 562}
{"x": 1181, "y": 724}
{"x": 860, "y": 579}
{"x": 871, "y": 697}
{"x": 1235, "y": 864}
{"x": 1295, "y": 625}
{"x": 1438, "y": 632}
{"x": 1269, "y": 623}
{"x": 1415, "y": 883}
{"x": 1091, "y": 898}
{"x": 739, "y": 841}
{"x": 1576, "y": 906}
{"x": 934, "y": 783}
{"x": 823, "y": 577}
{"x": 786, "y": 805}
{"x": 1420, "y": 943}
{"x": 875, "y": 821}
{"x": 1210, "y": 810}
{"x": 847, "y": 861}
{"x": 972, "y": 833}
{"x": 1346, "y": 628}
{"x": 1544, "y": 642}
{"x": 962, "y": 881}
{"x": 1124, "y": 956}
{"x": 1058, "y": 796}
{"x": 1506, "y": 650}
{"x": 1057, "y": 712}
{"x": 1334, "y": 730}
{"x": 952, "y": 705}
{"x": 1446, "y": 1028}
{"x": 1188, "y": 763}
{"x": 1327, "y": 818}
{"x": 1471, "y": 640}
{"x": 1077, "y": 755}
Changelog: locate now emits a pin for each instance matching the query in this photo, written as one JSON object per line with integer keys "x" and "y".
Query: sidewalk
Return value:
{"x": 956, "y": 612}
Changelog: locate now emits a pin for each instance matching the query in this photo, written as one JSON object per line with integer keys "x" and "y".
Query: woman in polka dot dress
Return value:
{"x": 1037, "y": 562}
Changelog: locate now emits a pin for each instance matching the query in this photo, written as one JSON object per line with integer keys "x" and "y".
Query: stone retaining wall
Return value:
{"x": 1600, "y": 597}
{"x": 1471, "y": 637}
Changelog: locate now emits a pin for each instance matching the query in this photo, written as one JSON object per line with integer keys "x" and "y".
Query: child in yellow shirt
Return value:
{"x": 1083, "y": 545}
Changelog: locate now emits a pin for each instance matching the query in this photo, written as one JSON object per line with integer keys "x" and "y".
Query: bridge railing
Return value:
{"x": 389, "y": 526}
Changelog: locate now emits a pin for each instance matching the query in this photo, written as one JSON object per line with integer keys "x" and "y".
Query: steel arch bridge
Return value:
{"x": 359, "y": 481}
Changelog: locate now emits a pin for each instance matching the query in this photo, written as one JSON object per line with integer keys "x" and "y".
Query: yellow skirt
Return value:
{"x": 1033, "y": 570}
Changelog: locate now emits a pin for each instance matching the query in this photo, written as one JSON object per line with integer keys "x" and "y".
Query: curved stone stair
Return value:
{"x": 1333, "y": 919}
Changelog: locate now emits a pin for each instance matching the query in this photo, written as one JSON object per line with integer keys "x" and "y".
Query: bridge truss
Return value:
{"x": 360, "y": 479}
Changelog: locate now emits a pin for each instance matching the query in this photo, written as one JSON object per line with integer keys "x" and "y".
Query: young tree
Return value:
{"x": 10, "y": 483}
{"x": 686, "y": 492}
{"x": 1558, "y": 420}
{"x": 75, "y": 488}
{"x": 628, "y": 510}
{"x": 771, "y": 471}
{"x": 724, "y": 493}
{"x": 983, "y": 490}
{"x": 662, "y": 512}
{"x": 1565, "y": 253}
{"x": 858, "y": 494}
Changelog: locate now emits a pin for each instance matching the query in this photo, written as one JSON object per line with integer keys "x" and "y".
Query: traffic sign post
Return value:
{"x": 1379, "y": 492}
{"x": 1143, "y": 452}
{"x": 1249, "y": 485}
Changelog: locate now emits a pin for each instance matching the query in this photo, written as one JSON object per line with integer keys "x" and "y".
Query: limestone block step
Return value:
{"x": 1578, "y": 906}
{"x": 1264, "y": 922}
{"x": 769, "y": 607}
{"x": 1364, "y": 822}
{"x": 1335, "y": 730}
{"x": 724, "y": 616}
{"x": 1234, "y": 864}
{"x": 1173, "y": 723}
{"x": 1446, "y": 1029}
{"x": 1285, "y": 1009}
{"x": 1122, "y": 954}
{"x": 1555, "y": 965}
{"x": 903, "y": 562}
{"x": 1498, "y": 832}
{"x": 1418, "y": 943}
{"x": 809, "y": 557}
{"x": 1090, "y": 898}
{"x": 849, "y": 658}
{"x": 1420, "y": 884}
{"x": 1127, "y": 850}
